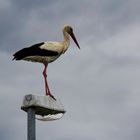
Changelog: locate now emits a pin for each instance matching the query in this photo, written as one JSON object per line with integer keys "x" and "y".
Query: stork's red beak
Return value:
{"x": 74, "y": 39}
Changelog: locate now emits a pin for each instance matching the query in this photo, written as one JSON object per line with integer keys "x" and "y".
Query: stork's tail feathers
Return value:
{"x": 15, "y": 57}
{"x": 20, "y": 54}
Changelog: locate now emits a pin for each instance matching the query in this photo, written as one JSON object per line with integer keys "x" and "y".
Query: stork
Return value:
{"x": 47, "y": 52}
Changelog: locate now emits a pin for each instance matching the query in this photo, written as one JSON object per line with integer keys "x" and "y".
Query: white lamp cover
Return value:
{"x": 50, "y": 117}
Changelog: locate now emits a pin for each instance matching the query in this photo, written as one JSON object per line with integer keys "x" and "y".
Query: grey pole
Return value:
{"x": 31, "y": 124}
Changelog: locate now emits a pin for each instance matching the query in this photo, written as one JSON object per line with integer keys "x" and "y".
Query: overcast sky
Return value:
{"x": 98, "y": 85}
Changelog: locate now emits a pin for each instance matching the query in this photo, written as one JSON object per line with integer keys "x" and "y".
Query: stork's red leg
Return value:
{"x": 45, "y": 79}
{"x": 46, "y": 82}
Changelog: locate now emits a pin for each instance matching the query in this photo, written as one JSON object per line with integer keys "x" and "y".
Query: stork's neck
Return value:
{"x": 66, "y": 40}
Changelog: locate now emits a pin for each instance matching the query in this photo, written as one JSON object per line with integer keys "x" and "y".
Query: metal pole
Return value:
{"x": 31, "y": 124}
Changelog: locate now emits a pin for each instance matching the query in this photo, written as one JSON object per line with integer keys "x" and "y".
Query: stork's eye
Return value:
{"x": 71, "y": 30}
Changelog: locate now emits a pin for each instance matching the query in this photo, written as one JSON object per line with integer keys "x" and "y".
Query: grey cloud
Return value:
{"x": 48, "y": 17}
{"x": 98, "y": 85}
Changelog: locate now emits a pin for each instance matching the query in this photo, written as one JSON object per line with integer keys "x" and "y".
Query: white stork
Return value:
{"x": 47, "y": 52}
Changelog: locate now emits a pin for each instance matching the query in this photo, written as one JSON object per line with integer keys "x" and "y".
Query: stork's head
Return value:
{"x": 69, "y": 30}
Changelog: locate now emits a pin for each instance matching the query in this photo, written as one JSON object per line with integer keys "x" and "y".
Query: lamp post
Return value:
{"x": 45, "y": 106}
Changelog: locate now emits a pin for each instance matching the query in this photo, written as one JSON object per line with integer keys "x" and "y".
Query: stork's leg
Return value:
{"x": 45, "y": 79}
{"x": 46, "y": 82}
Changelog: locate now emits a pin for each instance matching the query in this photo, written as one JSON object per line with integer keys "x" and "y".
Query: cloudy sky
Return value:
{"x": 98, "y": 85}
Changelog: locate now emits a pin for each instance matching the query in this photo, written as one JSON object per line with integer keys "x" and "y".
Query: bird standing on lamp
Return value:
{"x": 47, "y": 52}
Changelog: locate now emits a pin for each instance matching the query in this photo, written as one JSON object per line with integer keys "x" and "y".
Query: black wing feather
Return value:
{"x": 34, "y": 50}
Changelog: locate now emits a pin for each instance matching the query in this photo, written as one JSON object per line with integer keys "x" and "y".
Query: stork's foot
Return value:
{"x": 51, "y": 96}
